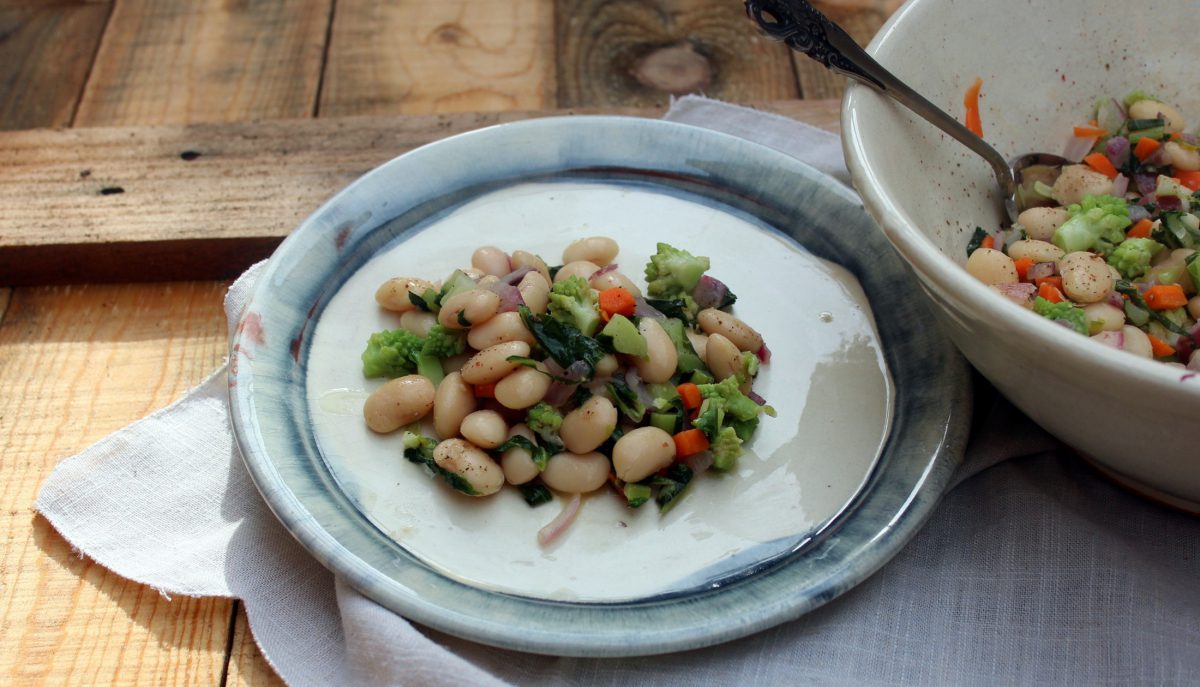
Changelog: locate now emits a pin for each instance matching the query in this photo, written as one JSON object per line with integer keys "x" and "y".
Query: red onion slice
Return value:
{"x": 1021, "y": 293}
{"x": 1077, "y": 147}
{"x": 554, "y": 529}
{"x": 699, "y": 462}
{"x": 710, "y": 292}
{"x": 603, "y": 271}
{"x": 644, "y": 309}
{"x": 510, "y": 297}
{"x": 756, "y": 398}
{"x": 1120, "y": 185}
{"x": 1117, "y": 151}
{"x": 634, "y": 381}
{"x": 764, "y": 354}
{"x": 516, "y": 275}
{"x": 1041, "y": 270}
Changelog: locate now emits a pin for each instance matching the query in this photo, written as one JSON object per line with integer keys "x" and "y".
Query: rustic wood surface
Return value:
{"x": 202, "y": 113}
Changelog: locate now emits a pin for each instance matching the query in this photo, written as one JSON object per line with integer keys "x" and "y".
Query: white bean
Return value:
{"x": 473, "y": 307}
{"x": 580, "y": 268}
{"x": 1182, "y": 158}
{"x": 1077, "y": 181}
{"x": 589, "y": 425}
{"x": 535, "y": 291}
{"x": 491, "y": 260}
{"x": 1085, "y": 277}
{"x": 612, "y": 279}
{"x": 1137, "y": 342}
{"x": 517, "y": 462}
{"x": 469, "y": 462}
{"x": 503, "y": 326}
{"x": 722, "y": 357}
{"x": 607, "y": 365}
{"x": 1193, "y": 307}
{"x": 454, "y": 400}
{"x": 713, "y": 321}
{"x": 398, "y": 402}
{"x": 1103, "y": 317}
{"x": 661, "y": 356}
{"x": 576, "y": 473}
{"x": 484, "y": 428}
{"x": 598, "y": 249}
{"x": 991, "y": 266}
{"x": 642, "y": 452}
{"x": 1037, "y": 251}
{"x": 521, "y": 258}
{"x": 492, "y": 364}
{"x": 523, "y": 387}
{"x": 1040, "y": 223}
{"x": 393, "y": 293}
{"x": 1153, "y": 109}
{"x": 418, "y": 321}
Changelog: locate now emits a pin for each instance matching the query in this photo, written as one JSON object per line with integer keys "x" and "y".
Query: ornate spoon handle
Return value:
{"x": 804, "y": 29}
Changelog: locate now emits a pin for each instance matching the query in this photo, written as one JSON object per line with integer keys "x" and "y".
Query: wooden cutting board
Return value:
{"x": 204, "y": 201}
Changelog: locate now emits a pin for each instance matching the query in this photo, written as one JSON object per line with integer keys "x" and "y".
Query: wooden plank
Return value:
{"x": 199, "y": 201}
{"x": 46, "y": 51}
{"x": 641, "y": 52}
{"x": 247, "y": 666}
{"x": 75, "y": 364}
{"x": 176, "y": 61}
{"x": 859, "y": 18}
{"x": 428, "y": 56}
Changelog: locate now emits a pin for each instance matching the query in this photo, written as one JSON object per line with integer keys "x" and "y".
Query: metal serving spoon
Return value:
{"x": 803, "y": 28}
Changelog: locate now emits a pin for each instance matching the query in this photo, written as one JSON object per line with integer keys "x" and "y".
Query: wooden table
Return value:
{"x": 151, "y": 149}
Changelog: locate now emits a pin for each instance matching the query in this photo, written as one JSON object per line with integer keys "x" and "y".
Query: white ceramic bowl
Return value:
{"x": 1043, "y": 65}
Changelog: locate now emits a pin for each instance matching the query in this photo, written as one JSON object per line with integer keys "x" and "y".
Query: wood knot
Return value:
{"x": 674, "y": 69}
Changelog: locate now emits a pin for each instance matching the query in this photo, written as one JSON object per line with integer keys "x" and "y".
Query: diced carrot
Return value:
{"x": 690, "y": 393}
{"x": 1023, "y": 265}
{"x": 988, "y": 241}
{"x": 1189, "y": 179}
{"x": 1050, "y": 292}
{"x": 1055, "y": 281}
{"x": 1141, "y": 230}
{"x": 1145, "y": 147}
{"x": 616, "y": 301}
{"x": 1100, "y": 163}
{"x": 1161, "y": 348}
{"x": 485, "y": 390}
{"x": 1165, "y": 297}
{"x": 971, "y": 103}
{"x": 690, "y": 442}
{"x": 1090, "y": 131}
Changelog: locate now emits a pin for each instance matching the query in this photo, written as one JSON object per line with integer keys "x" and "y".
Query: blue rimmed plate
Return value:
{"x": 873, "y": 405}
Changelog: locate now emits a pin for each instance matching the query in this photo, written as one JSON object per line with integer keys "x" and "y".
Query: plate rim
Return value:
{"x": 902, "y": 525}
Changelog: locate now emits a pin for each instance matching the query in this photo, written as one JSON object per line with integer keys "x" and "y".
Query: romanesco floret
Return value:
{"x": 1063, "y": 311}
{"x": 726, "y": 409}
{"x": 544, "y": 420}
{"x": 391, "y": 353}
{"x": 1097, "y": 223}
{"x": 1131, "y": 257}
{"x": 673, "y": 273}
{"x": 443, "y": 342}
{"x": 573, "y": 303}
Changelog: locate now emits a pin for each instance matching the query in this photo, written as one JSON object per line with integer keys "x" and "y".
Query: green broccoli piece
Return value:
{"x": 688, "y": 359}
{"x": 1131, "y": 257}
{"x": 726, "y": 448}
{"x": 748, "y": 369}
{"x": 441, "y": 342}
{"x": 1063, "y": 311}
{"x": 727, "y": 411}
{"x": 572, "y": 302}
{"x": 1096, "y": 223}
{"x": 391, "y": 353}
{"x": 544, "y": 420}
{"x": 673, "y": 273}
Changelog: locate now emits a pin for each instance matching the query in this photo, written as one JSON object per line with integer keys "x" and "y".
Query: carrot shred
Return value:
{"x": 1090, "y": 131}
{"x": 971, "y": 103}
{"x": 485, "y": 390}
{"x": 1054, "y": 280}
{"x": 690, "y": 393}
{"x": 1100, "y": 163}
{"x": 1145, "y": 147}
{"x": 1141, "y": 230}
{"x": 689, "y": 442}
{"x": 1023, "y": 265}
{"x": 988, "y": 242}
{"x": 616, "y": 301}
{"x": 1165, "y": 297}
{"x": 1161, "y": 348}
{"x": 1050, "y": 292}
{"x": 1189, "y": 179}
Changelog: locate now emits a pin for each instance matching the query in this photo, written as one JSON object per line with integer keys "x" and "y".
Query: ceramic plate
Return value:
{"x": 872, "y": 404}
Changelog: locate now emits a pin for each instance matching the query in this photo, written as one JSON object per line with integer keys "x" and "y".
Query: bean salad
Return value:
{"x": 567, "y": 379}
{"x": 1108, "y": 247}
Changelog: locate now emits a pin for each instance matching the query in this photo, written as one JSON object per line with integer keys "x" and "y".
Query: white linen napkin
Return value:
{"x": 1034, "y": 571}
